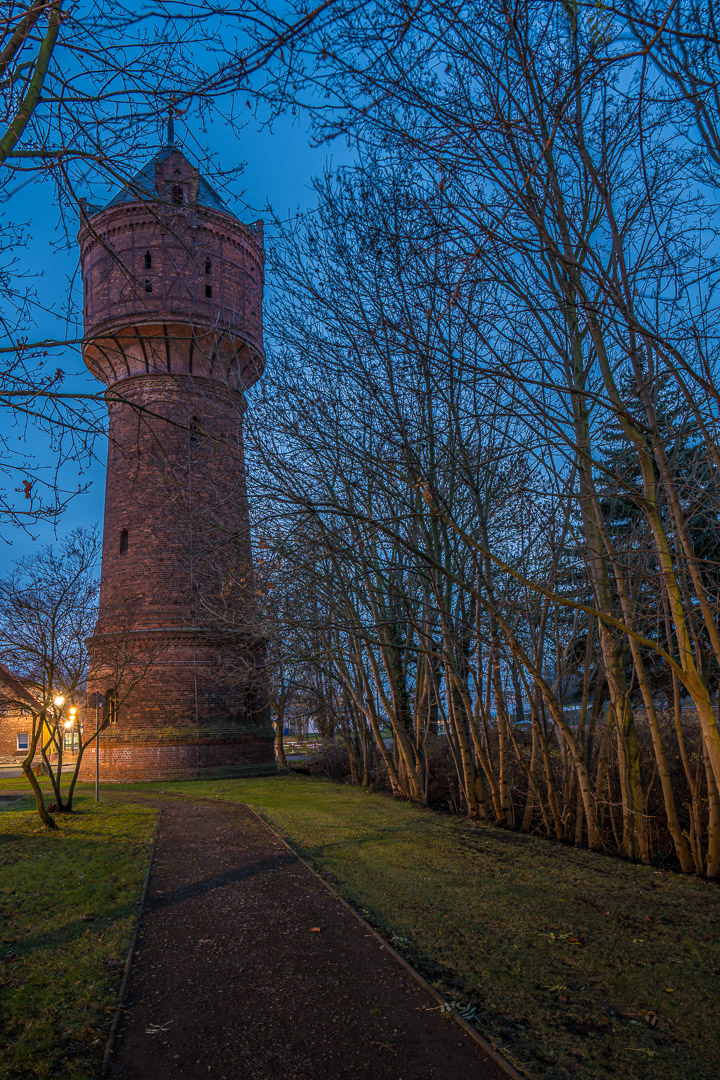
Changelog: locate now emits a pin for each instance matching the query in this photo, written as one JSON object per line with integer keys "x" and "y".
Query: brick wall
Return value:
{"x": 125, "y": 761}
{"x": 176, "y": 515}
{"x": 177, "y": 684}
{"x": 13, "y": 722}
{"x": 181, "y": 244}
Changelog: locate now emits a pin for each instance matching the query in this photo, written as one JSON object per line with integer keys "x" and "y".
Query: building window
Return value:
{"x": 111, "y": 706}
{"x": 148, "y": 261}
{"x": 123, "y": 541}
{"x": 208, "y": 266}
{"x": 72, "y": 741}
{"x": 194, "y": 429}
{"x": 208, "y": 291}
{"x": 148, "y": 286}
{"x": 23, "y": 740}
{"x": 177, "y": 195}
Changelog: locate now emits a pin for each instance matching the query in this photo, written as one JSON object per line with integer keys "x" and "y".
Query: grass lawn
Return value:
{"x": 68, "y": 903}
{"x": 560, "y": 955}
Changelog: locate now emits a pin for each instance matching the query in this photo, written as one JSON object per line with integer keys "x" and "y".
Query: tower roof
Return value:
{"x": 146, "y": 185}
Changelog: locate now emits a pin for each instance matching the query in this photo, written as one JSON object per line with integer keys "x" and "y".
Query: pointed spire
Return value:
{"x": 170, "y": 136}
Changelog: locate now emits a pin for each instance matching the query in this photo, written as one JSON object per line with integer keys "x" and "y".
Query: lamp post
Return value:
{"x": 98, "y": 701}
{"x": 58, "y": 702}
{"x": 72, "y": 726}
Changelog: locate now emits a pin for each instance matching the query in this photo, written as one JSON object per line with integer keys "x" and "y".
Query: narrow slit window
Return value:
{"x": 148, "y": 261}
{"x": 111, "y": 706}
{"x": 177, "y": 195}
{"x": 194, "y": 429}
{"x": 148, "y": 286}
{"x": 208, "y": 266}
{"x": 208, "y": 291}
{"x": 123, "y": 541}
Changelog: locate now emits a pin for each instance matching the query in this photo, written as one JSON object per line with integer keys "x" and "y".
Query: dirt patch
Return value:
{"x": 247, "y": 967}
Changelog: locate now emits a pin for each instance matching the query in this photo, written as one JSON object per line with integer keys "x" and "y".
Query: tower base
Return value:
{"x": 124, "y": 759}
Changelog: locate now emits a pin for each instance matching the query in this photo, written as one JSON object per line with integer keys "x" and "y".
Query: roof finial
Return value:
{"x": 170, "y": 138}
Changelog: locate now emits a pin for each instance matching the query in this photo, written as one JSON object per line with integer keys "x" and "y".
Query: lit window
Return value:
{"x": 178, "y": 195}
{"x": 23, "y": 740}
{"x": 123, "y": 541}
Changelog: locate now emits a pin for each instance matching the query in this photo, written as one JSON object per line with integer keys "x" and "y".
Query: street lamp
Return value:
{"x": 98, "y": 700}
{"x": 59, "y": 701}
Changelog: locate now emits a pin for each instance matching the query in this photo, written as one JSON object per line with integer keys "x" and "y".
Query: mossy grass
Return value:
{"x": 574, "y": 965}
{"x": 69, "y": 903}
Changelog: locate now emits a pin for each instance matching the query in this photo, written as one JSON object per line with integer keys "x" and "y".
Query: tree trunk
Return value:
{"x": 27, "y": 768}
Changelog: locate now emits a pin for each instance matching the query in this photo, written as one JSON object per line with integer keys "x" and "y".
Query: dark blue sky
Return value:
{"x": 279, "y": 166}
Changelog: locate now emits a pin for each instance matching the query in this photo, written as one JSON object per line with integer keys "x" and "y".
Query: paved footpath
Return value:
{"x": 247, "y": 968}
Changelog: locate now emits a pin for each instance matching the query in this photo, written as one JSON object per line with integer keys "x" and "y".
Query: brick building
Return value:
{"x": 16, "y": 723}
{"x": 173, "y": 287}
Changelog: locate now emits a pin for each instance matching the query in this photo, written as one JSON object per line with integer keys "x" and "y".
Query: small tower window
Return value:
{"x": 177, "y": 195}
{"x": 148, "y": 285}
{"x": 208, "y": 291}
{"x": 194, "y": 429}
{"x": 123, "y": 541}
{"x": 111, "y": 706}
{"x": 208, "y": 266}
{"x": 148, "y": 261}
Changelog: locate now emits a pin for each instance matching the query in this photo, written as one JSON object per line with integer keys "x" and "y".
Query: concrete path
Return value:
{"x": 247, "y": 968}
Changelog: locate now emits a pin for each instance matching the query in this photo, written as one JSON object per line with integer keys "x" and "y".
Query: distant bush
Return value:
{"x": 333, "y": 761}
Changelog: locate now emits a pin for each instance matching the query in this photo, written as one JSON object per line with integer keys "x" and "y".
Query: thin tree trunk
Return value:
{"x": 27, "y": 768}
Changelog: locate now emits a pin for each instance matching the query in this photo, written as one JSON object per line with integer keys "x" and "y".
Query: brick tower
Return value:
{"x": 173, "y": 288}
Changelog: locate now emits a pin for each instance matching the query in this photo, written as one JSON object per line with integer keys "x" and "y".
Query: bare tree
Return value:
{"x": 48, "y": 610}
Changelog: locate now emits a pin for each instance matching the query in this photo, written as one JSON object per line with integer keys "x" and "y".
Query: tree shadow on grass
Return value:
{"x": 75, "y": 929}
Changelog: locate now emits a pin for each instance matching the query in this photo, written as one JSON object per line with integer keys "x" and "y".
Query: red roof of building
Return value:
{"x": 13, "y": 689}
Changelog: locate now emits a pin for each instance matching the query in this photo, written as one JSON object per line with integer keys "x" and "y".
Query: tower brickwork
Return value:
{"x": 173, "y": 287}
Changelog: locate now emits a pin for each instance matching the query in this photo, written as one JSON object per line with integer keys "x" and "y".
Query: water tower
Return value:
{"x": 173, "y": 286}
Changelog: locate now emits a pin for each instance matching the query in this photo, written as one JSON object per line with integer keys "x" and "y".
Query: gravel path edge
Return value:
{"x": 110, "y": 1043}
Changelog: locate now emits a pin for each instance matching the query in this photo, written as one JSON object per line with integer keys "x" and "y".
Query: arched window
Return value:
{"x": 123, "y": 541}
{"x": 148, "y": 261}
{"x": 177, "y": 195}
{"x": 111, "y": 706}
